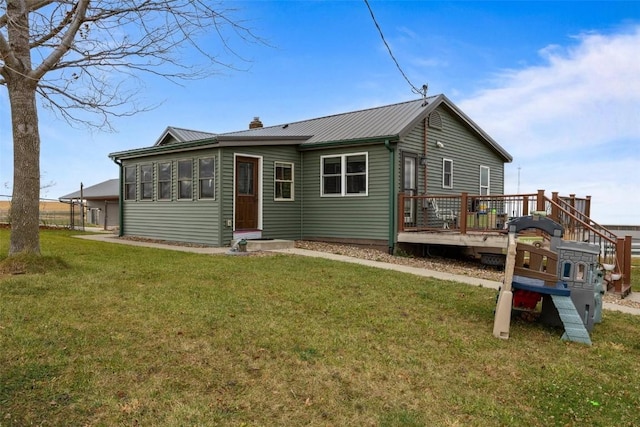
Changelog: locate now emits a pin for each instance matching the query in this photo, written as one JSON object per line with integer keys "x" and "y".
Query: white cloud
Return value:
{"x": 572, "y": 123}
{"x": 583, "y": 96}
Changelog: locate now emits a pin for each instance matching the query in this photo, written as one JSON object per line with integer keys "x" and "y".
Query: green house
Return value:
{"x": 335, "y": 178}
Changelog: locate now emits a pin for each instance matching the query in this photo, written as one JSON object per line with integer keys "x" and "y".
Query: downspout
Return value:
{"x": 426, "y": 162}
{"x": 302, "y": 194}
{"x": 392, "y": 194}
{"x": 82, "y": 204}
{"x": 120, "y": 198}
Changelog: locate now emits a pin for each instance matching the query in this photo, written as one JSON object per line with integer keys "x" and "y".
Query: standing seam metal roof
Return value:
{"x": 389, "y": 120}
{"x": 183, "y": 135}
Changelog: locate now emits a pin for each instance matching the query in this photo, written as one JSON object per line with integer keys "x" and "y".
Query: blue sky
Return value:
{"x": 557, "y": 84}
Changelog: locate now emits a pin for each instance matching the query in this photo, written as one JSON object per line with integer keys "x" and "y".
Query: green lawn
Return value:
{"x": 122, "y": 335}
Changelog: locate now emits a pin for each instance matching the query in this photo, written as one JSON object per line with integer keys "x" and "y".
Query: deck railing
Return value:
{"x": 573, "y": 214}
{"x": 465, "y": 213}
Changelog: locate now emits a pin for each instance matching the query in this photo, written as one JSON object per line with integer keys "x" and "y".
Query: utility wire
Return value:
{"x": 422, "y": 91}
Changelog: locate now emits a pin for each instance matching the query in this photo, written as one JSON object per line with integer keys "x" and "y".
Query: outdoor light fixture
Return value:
{"x": 423, "y": 160}
{"x": 439, "y": 144}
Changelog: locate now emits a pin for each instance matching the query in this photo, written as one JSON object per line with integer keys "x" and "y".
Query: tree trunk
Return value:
{"x": 25, "y": 237}
{"x": 25, "y": 200}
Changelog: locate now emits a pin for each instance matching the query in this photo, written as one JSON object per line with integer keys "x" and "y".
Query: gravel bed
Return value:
{"x": 453, "y": 266}
{"x": 629, "y": 301}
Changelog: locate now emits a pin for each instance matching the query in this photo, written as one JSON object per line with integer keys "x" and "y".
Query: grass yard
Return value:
{"x": 123, "y": 335}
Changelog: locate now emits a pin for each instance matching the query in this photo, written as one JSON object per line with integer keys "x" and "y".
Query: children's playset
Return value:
{"x": 560, "y": 281}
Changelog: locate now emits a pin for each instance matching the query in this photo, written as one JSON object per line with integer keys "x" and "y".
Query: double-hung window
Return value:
{"x": 447, "y": 173}
{"x": 185, "y": 179}
{"x": 283, "y": 181}
{"x": 130, "y": 182}
{"x": 485, "y": 180}
{"x": 206, "y": 169}
{"x": 344, "y": 175}
{"x": 164, "y": 181}
{"x": 146, "y": 182}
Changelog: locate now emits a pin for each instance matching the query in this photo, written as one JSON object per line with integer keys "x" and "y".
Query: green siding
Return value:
{"x": 282, "y": 219}
{"x": 460, "y": 145}
{"x": 196, "y": 221}
{"x": 349, "y": 217}
{"x": 467, "y": 152}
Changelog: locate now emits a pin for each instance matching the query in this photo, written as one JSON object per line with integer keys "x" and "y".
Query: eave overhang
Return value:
{"x": 217, "y": 142}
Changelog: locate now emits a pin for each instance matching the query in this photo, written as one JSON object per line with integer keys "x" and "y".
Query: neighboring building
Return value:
{"x": 102, "y": 207}
{"x": 333, "y": 178}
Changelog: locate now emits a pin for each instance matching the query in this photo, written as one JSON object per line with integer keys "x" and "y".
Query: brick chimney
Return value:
{"x": 255, "y": 123}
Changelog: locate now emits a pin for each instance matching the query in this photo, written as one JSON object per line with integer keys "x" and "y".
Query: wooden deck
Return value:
{"x": 455, "y": 238}
{"x": 479, "y": 221}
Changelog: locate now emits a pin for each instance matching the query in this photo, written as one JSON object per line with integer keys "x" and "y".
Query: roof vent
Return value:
{"x": 255, "y": 123}
{"x": 435, "y": 120}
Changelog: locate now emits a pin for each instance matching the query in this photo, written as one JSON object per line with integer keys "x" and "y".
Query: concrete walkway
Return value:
{"x": 474, "y": 281}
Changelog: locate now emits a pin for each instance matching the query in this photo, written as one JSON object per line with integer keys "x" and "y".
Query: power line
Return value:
{"x": 422, "y": 91}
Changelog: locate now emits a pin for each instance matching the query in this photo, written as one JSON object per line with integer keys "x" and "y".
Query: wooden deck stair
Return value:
{"x": 573, "y": 215}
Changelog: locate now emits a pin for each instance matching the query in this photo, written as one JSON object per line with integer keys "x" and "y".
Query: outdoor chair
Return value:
{"x": 447, "y": 216}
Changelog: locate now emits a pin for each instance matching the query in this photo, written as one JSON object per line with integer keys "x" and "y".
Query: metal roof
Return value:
{"x": 182, "y": 135}
{"x": 109, "y": 189}
{"x": 379, "y": 122}
{"x": 391, "y": 122}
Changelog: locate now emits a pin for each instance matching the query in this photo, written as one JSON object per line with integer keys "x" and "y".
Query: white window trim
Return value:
{"x": 199, "y": 178}
{"x": 275, "y": 181}
{"x": 184, "y": 199}
{"x": 170, "y": 181}
{"x": 134, "y": 182}
{"x": 488, "y": 186}
{"x": 443, "y": 173}
{"x": 343, "y": 175}
{"x": 151, "y": 181}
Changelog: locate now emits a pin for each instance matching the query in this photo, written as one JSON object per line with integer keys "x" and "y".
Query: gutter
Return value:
{"x": 392, "y": 194}
{"x": 348, "y": 142}
{"x": 165, "y": 149}
{"x": 120, "y": 198}
{"x": 217, "y": 142}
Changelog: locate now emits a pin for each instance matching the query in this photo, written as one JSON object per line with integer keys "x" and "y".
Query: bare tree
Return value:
{"x": 84, "y": 60}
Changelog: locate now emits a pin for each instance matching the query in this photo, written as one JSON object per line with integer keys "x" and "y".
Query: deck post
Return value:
{"x": 626, "y": 269}
{"x": 525, "y": 205}
{"x": 400, "y": 212}
{"x": 620, "y": 261}
{"x": 572, "y": 221}
{"x": 540, "y": 201}
{"x": 555, "y": 214}
{"x": 463, "y": 212}
{"x": 587, "y": 207}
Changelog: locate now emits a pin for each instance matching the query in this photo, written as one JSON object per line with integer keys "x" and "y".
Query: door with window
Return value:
{"x": 410, "y": 187}
{"x": 246, "y": 193}
{"x": 485, "y": 180}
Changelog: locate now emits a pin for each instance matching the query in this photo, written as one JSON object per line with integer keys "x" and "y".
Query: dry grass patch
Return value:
{"x": 30, "y": 264}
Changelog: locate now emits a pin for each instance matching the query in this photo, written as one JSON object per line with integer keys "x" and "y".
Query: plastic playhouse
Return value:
{"x": 561, "y": 281}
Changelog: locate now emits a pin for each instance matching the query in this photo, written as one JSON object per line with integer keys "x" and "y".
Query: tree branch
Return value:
{"x": 80, "y": 47}
{"x": 78, "y": 11}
